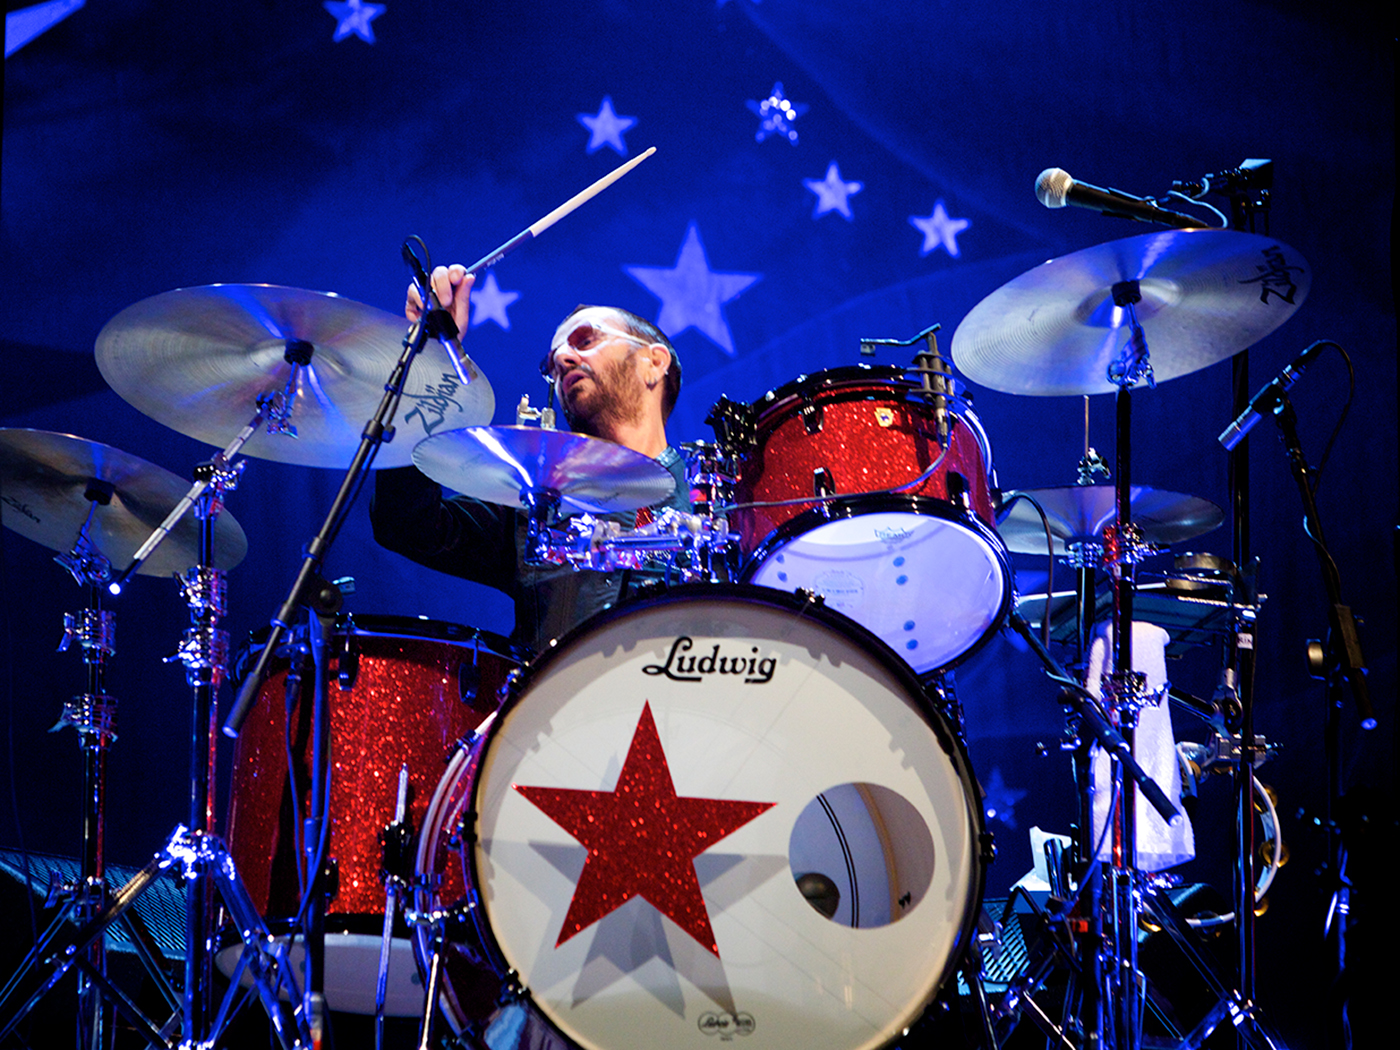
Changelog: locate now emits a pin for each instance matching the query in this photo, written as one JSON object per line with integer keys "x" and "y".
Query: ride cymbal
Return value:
{"x": 1205, "y": 296}
{"x": 198, "y": 360}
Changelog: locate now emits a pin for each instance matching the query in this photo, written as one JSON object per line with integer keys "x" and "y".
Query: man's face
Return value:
{"x": 593, "y": 361}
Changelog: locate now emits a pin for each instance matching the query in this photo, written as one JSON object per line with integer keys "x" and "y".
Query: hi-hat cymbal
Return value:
{"x": 198, "y": 359}
{"x": 588, "y": 473}
{"x": 1078, "y": 513}
{"x": 1206, "y": 295}
{"x": 44, "y": 478}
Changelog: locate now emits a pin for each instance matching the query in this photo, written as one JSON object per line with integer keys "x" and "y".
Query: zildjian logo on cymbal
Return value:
{"x": 434, "y": 403}
{"x": 1273, "y": 276}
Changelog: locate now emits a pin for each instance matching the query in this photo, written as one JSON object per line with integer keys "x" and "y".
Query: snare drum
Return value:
{"x": 722, "y": 811}
{"x": 402, "y": 691}
{"x": 921, "y": 566}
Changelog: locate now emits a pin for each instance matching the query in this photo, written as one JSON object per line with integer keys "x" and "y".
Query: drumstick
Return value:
{"x": 578, "y": 199}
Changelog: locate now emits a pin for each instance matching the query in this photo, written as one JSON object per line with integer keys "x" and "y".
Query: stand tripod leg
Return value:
{"x": 1246, "y": 1016}
{"x": 70, "y": 948}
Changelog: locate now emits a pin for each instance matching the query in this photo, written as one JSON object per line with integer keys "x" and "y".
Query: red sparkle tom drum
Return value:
{"x": 722, "y": 811}
{"x": 402, "y": 690}
{"x": 847, "y": 492}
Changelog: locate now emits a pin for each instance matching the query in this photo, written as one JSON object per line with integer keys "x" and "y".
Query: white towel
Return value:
{"x": 1159, "y": 845}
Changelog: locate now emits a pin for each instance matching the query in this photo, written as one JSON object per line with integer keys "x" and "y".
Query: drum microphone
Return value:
{"x": 1269, "y": 396}
{"x": 1054, "y": 188}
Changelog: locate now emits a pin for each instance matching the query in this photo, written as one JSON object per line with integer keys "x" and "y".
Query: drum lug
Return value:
{"x": 348, "y": 662}
{"x": 823, "y": 485}
{"x": 468, "y": 682}
{"x": 959, "y": 491}
{"x": 813, "y": 417}
{"x": 989, "y": 846}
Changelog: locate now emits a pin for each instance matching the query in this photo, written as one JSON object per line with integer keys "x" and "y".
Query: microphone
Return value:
{"x": 1054, "y": 188}
{"x": 1269, "y": 396}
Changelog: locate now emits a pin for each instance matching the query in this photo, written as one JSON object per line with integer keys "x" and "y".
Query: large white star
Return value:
{"x": 606, "y": 128}
{"x": 353, "y": 16}
{"x": 832, "y": 192}
{"x": 940, "y": 231}
{"x": 692, "y": 296}
{"x": 489, "y": 303}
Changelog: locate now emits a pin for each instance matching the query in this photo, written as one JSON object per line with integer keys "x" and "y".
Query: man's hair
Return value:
{"x": 644, "y": 329}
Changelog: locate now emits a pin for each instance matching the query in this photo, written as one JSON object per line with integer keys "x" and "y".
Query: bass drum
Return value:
{"x": 919, "y": 565}
{"x": 723, "y": 811}
{"x": 404, "y": 691}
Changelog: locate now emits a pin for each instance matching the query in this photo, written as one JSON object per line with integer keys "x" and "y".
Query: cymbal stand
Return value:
{"x": 94, "y": 716}
{"x": 202, "y": 857}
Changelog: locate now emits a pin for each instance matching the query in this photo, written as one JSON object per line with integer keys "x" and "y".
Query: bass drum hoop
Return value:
{"x": 848, "y": 508}
{"x": 476, "y": 752}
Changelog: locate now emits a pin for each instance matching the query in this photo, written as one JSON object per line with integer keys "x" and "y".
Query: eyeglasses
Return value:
{"x": 583, "y": 337}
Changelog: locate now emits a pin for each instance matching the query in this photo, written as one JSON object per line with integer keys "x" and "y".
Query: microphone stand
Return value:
{"x": 322, "y": 599}
{"x": 1340, "y": 663}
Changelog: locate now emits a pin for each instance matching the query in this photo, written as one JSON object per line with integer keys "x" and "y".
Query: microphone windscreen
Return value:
{"x": 1052, "y": 187}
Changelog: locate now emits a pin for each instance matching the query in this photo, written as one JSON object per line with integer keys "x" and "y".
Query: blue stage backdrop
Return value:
{"x": 826, "y": 170}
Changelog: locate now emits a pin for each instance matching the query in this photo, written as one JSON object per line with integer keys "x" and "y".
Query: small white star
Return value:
{"x": 606, "y": 128}
{"x": 776, "y": 114}
{"x": 692, "y": 296}
{"x": 489, "y": 303}
{"x": 939, "y": 230}
{"x": 832, "y": 192}
{"x": 353, "y": 16}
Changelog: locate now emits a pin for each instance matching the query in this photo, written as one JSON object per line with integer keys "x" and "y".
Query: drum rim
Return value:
{"x": 951, "y": 744}
{"x": 392, "y": 625}
{"x": 922, "y": 506}
{"x": 829, "y": 379}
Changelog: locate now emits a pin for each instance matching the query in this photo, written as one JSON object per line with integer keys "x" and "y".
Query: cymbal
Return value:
{"x": 43, "y": 481}
{"x": 198, "y": 359}
{"x": 1206, "y": 295}
{"x": 588, "y": 473}
{"x": 1080, "y": 512}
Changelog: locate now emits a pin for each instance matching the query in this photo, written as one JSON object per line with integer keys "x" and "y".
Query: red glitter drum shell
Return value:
{"x": 412, "y": 690}
{"x": 868, "y": 431}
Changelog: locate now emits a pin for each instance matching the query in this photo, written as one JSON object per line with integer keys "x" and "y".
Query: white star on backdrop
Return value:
{"x": 1000, "y": 801}
{"x": 776, "y": 114}
{"x": 939, "y": 230}
{"x": 691, "y": 294}
{"x": 353, "y": 16}
{"x": 832, "y": 193}
{"x": 606, "y": 128}
{"x": 489, "y": 303}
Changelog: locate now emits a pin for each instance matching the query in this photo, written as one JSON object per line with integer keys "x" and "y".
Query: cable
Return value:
{"x": 1008, "y": 501}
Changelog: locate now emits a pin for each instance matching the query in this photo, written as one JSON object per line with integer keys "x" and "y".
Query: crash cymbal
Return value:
{"x": 1080, "y": 512}
{"x": 1206, "y": 295}
{"x": 198, "y": 359}
{"x": 590, "y": 474}
{"x": 44, "y": 478}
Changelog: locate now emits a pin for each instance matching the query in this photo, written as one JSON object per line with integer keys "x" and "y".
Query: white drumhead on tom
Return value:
{"x": 932, "y": 587}
{"x": 863, "y": 795}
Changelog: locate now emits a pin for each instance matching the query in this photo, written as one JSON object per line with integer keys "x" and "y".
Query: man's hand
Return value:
{"x": 453, "y": 288}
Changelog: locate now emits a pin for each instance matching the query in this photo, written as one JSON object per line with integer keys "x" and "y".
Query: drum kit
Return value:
{"x": 419, "y": 821}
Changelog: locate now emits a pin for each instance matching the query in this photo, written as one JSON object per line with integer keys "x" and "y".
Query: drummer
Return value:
{"x": 617, "y": 376}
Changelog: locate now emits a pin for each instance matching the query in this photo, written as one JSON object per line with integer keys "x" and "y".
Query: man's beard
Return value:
{"x": 616, "y": 398}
